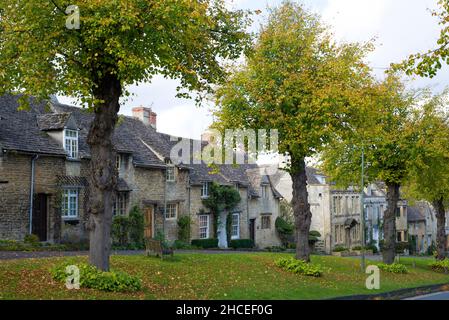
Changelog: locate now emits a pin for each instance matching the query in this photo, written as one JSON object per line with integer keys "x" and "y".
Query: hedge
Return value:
{"x": 242, "y": 244}
{"x": 205, "y": 243}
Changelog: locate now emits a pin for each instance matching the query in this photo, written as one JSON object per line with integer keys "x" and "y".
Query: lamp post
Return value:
{"x": 363, "y": 209}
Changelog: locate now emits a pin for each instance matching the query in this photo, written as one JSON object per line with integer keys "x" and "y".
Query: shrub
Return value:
{"x": 440, "y": 266}
{"x": 32, "y": 240}
{"x": 340, "y": 249}
{"x": 91, "y": 277}
{"x": 205, "y": 243}
{"x": 285, "y": 230}
{"x": 393, "y": 268}
{"x": 372, "y": 247}
{"x": 314, "y": 236}
{"x": 357, "y": 248}
{"x": 401, "y": 247}
{"x": 275, "y": 249}
{"x": 178, "y": 244}
{"x": 299, "y": 267}
{"x": 119, "y": 230}
{"x": 184, "y": 228}
{"x": 242, "y": 244}
{"x": 136, "y": 227}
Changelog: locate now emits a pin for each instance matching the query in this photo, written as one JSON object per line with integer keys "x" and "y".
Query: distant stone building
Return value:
{"x": 44, "y": 190}
{"x": 422, "y": 227}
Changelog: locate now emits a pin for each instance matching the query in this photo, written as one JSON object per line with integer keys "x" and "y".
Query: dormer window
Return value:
{"x": 170, "y": 172}
{"x": 205, "y": 190}
{"x": 71, "y": 143}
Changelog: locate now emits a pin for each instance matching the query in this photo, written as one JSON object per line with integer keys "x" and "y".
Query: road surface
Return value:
{"x": 432, "y": 296}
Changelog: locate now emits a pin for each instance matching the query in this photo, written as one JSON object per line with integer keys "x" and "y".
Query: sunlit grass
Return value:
{"x": 213, "y": 276}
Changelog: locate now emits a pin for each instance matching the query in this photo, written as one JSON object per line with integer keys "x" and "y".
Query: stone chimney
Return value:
{"x": 146, "y": 115}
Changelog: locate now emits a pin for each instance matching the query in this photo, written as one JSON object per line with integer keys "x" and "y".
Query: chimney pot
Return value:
{"x": 146, "y": 115}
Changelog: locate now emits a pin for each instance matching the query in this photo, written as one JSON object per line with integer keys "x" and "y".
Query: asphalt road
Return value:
{"x": 432, "y": 296}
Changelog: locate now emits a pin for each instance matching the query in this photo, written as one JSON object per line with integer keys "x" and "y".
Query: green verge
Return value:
{"x": 228, "y": 276}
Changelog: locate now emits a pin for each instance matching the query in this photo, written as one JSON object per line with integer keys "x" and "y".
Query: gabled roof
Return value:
{"x": 19, "y": 130}
{"x": 53, "y": 121}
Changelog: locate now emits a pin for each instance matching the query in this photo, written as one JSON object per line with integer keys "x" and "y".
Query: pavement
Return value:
{"x": 10, "y": 255}
{"x": 432, "y": 296}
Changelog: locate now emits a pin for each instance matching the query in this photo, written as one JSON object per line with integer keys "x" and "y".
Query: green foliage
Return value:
{"x": 184, "y": 223}
{"x": 340, "y": 249}
{"x": 127, "y": 232}
{"x": 440, "y": 266}
{"x": 393, "y": 268}
{"x": 297, "y": 80}
{"x": 299, "y": 267}
{"x": 275, "y": 249}
{"x": 205, "y": 243}
{"x": 314, "y": 236}
{"x": 91, "y": 277}
{"x": 372, "y": 247}
{"x": 285, "y": 230}
{"x": 136, "y": 227}
{"x": 13, "y": 245}
{"x": 222, "y": 198}
{"x": 286, "y": 211}
{"x": 401, "y": 246}
{"x": 178, "y": 244}
{"x": 31, "y": 239}
{"x": 357, "y": 248}
{"x": 131, "y": 40}
{"x": 120, "y": 230}
{"x": 427, "y": 64}
{"x": 242, "y": 244}
{"x": 431, "y": 249}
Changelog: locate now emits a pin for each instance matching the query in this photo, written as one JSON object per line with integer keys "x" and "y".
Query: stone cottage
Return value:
{"x": 44, "y": 161}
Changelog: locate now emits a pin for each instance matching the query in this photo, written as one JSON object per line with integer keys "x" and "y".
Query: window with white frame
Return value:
{"x": 170, "y": 174}
{"x": 71, "y": 143}
{"x": 120, "y": 204}
{"x": 205, "y": 190}
{"x": 172, "y": 211}
{"x": 69, "y": 206}
{"x": 204, "y": 226}
{"x": 235, "y": 226}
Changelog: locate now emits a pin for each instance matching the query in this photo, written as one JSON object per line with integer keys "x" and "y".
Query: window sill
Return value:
{"x": 73, "y": 159}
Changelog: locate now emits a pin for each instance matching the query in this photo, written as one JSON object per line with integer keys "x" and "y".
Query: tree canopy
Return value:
{"x": 131, "y": 39}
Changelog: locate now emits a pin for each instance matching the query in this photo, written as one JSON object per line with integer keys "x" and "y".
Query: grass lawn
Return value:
{"x": 211, "y": 276}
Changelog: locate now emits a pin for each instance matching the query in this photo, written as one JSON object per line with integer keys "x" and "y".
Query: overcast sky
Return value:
{"x": 401, "y": 27}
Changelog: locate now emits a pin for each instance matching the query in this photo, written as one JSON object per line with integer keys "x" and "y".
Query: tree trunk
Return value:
{"x": 301, "y": 208}
{"x": 103, "y": 174}
{"x": 389, "y": 248}
{"x": 222, "y": 234}
{"x": 441, "y": 228}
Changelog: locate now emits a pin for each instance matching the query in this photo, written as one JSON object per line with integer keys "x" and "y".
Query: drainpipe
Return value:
{"x": 33, "y": 160}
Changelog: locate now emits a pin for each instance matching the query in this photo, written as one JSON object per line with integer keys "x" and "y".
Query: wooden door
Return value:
{"x": 39, "y": 226}
{"x": 252, "y": 230}
{"x": 149, "y": 221}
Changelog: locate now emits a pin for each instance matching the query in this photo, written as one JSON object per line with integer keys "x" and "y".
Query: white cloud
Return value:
{"x": 355, "y": 19}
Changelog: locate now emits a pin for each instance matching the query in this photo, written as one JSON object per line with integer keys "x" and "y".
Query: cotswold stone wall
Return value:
{"x": 15, "y": 195}
{"x": 197, "y": 208}
{"x": 150, "y": 188}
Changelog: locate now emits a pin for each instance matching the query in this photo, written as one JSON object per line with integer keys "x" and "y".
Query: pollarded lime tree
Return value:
{"x": 384, "y": 131}
{"x": 118, "y": 43}
{"x": 429, "y": 173}
{"x": 299, "y": 81}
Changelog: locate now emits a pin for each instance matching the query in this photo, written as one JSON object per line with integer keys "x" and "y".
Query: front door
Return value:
{"x": 39, "y": 227}
{"x": 149, "y": 221}
{"x": 252, "y": 230}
